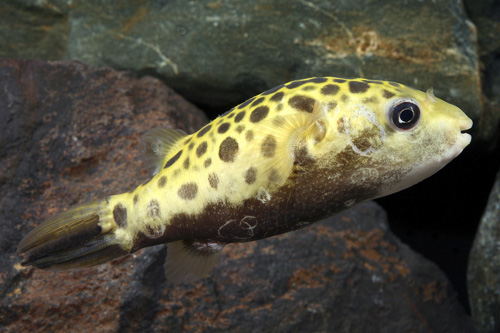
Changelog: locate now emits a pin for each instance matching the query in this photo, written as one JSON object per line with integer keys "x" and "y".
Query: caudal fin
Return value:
{"x": 73, "y": 239}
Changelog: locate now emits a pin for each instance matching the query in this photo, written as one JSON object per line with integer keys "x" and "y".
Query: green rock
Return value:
{"x": 223, "y": 52}
{"x": 32, "y": 29}
{"x": 219, "y": 53}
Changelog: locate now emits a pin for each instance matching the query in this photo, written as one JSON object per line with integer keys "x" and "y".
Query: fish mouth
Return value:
{"x": 464, "y": 137}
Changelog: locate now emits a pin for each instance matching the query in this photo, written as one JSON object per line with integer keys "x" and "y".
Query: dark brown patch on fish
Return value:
{"x": 330, "y": 89}
{"x": 188, "y": 191}
{"x": 302, "y": 103}
{"x": 162, "y": 181}
{"x": 223, "y": 128}
{"x": 258, "y": 114}
{"x": 357, "y": 87}
{"x": 228, "y": 149}
{"x": 268, "y": 147}
{"x": 251, "y": 176}
{"x": 202, "y": 149}
{"x": 153, "y": 209}
{"x": 387, "y": 94}
{"x": 213, "y": 180}
{"x": 120, "y": 215}
{"x": 239, "y": 117}
{"x": 204, "y": 130}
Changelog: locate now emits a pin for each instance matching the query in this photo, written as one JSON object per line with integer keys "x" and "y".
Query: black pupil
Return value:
{"x": 405, "y": 115}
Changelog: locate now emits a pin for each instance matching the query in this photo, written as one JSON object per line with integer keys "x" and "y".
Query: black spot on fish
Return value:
{"x": 372, "y": 99}
{"x": 228, "y": 149}
{"x": 239, "y": 117}
{"x": 277, "y": 97}
{"x": 258, "y": 114}
{"x": 223, "y": 128}
{"x": 340, "y": 125}
{"x": 202, "y": 149}
{"x": 250, "y": 176}
{"x": 249, "y": 135}
{"x": 204, "y": 130}
{"x": 186, "y": 163}
{"x": 302, "y": 103}
{"x": 153, "y": 209}
{"x": 136, "y": 199}
{"x": 394, "y": 84}
{"x": 120, "y": 215}
{"x": 330, "y": 89}
{"x": 268, "y": 147}
{"x": 387, "y": 94}
{"x": 372, "y": 81}
{"x": 207, "y": 162}
{"x": 213, "y": 180}
{"x": 188, "y": 191}
{"x": 240, "y": 128}
{"x": 309, "y": 88}
{"x": 257, "y": 101}
{"x": 357, "y": 87}
{"x": 332, "y": 106}
{"x": 191, "y": 145}
{"x": 173, "y": 159}
{"x": 339, "y": 80}
{"x": 162, "y": 181}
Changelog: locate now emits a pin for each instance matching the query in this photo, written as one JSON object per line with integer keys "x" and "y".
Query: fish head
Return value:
{"x": 400, "y": 139}
{"x": 425, "y": 134}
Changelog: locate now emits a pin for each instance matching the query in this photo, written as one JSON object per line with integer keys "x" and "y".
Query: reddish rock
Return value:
{"x": 71, "y": 135}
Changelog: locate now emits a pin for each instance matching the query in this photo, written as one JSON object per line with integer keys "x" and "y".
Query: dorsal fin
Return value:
{"x": 158, "y": 144}
{"x": 281, "y": 137}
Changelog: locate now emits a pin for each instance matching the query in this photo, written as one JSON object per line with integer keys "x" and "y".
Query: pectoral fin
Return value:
{"x": 189, "y": 261}
{"x": 280, "y": 137}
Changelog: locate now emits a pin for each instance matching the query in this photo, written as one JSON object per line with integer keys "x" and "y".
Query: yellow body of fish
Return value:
{"x": 275, "y": 163}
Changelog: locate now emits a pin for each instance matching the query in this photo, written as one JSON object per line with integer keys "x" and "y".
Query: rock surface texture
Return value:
{"x": 71, "y": 136}
{"x": 484, "y": 266}
{"x": 220, "y": 53}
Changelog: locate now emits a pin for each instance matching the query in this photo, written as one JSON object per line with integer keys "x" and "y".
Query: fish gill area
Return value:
{"x": 82, "y": 81}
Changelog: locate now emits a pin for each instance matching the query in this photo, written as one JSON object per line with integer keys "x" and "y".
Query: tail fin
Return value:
{"x": 73, "y": 239}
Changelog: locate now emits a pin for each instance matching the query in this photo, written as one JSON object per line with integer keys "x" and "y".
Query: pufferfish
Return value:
{"x": 286, "y": 158}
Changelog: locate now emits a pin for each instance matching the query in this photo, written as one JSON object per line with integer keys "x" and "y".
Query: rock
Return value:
{"x": 486, "y": 16}
{"x": 69, "y": 133}
{"x": 220, "y": 53}
{"x": 33, "y": 29}
{"x": 71, "y": 136}
{"x": 484, "y": 267}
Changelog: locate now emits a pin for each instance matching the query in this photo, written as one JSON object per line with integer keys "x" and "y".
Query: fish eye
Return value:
{"x": 405, "y": 115}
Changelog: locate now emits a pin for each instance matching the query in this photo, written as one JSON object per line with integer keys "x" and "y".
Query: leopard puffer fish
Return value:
{"x": 280, "y": 161}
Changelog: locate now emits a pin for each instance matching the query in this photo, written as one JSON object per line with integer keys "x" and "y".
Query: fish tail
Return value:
{"x": 80, "y": 237}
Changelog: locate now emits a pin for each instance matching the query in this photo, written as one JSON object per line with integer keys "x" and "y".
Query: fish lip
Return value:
{"x": 466, "y": 125}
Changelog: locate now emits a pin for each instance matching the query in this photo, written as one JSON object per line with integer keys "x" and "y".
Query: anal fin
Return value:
{"x": 189, "y": 261}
